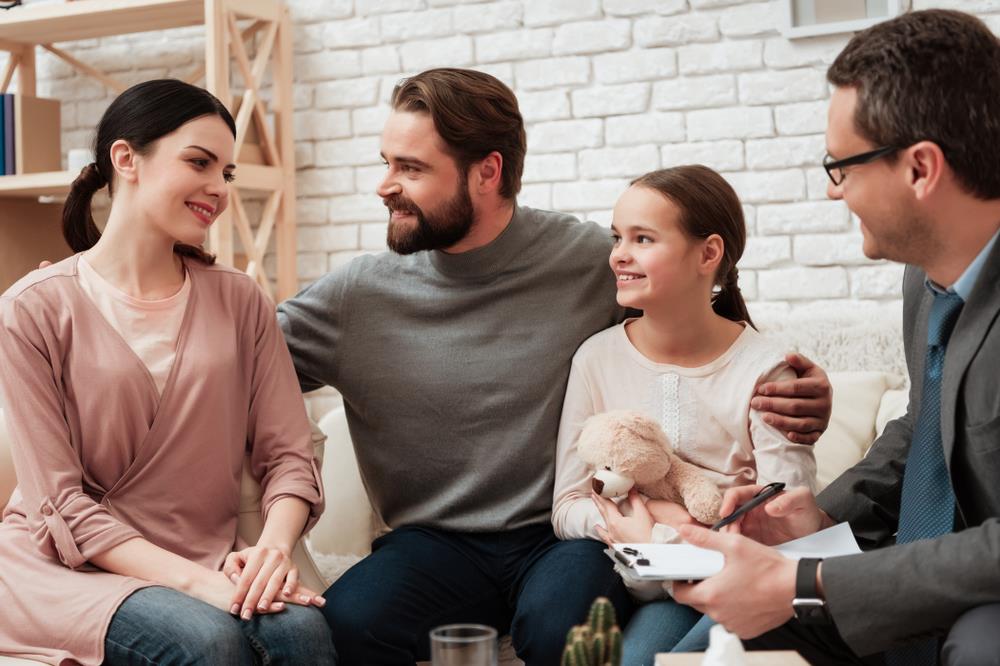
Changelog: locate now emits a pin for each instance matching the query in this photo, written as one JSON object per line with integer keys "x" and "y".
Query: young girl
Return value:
{"x": 692, "y": 361}
{"x": 137, "y": 375}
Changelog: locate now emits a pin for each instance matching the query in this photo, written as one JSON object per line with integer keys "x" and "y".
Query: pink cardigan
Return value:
{"x": 101, "y": 457}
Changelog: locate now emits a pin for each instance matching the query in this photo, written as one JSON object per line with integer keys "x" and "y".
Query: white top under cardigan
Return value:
{"x": 149, "y": 327}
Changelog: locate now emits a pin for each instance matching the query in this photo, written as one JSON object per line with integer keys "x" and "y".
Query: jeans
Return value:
{"x": 522, "y": 581}
{"x": 157, "y": 625}
{"x": 663, "y": 626}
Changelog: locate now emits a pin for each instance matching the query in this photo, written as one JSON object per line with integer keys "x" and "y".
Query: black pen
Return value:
{"x": 764, "y": 494}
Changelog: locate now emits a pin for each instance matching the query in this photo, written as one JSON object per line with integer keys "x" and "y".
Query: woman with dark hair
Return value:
{"x": 692, "y": 361}
{"x": 137, "y": 376}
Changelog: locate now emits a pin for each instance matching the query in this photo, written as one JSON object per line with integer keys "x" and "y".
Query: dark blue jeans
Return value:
{"x": 157, "y": 625}
{"x": 664, "y": 626}
{"x": 525, "y": 582}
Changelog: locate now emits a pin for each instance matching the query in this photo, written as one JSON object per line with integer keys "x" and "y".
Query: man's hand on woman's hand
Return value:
{"x": 789, "y": 515}
{"x": 264, "y": 576}
{"x": 799, "y": 407}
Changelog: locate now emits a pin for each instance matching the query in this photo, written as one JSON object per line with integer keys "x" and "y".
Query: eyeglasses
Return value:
{"x": 835, "y": 168}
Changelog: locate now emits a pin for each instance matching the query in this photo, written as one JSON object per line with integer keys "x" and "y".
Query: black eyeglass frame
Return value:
{"x": 861, "y": 158}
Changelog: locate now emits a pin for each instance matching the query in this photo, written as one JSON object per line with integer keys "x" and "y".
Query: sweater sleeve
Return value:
{"x": 312, "y": 322}
{"x": 778, "y": 458}
{"x": 65, "y": 522}
{"x": 574, "y": 514}
{"x": 279, "y": 435}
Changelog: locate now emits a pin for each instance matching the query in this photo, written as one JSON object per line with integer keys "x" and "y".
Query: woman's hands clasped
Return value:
{"x": 265, "y": 578}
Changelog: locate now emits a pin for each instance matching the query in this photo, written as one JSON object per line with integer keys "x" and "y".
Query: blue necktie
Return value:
{"x": 927, "y": 507}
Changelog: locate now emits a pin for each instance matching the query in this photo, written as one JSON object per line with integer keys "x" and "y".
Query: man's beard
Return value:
{"x": 435, "y": 230}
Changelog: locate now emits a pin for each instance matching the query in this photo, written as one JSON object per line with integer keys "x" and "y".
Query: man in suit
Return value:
{"x": 912, "y": 137}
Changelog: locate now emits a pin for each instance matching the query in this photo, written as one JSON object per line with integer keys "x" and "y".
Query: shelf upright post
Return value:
{"x": 217, "y": 82}
{"x": 285, "y": 242}
{"x": 26, "y": 80}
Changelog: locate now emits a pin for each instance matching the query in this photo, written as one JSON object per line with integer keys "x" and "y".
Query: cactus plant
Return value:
{"x": 597, "y": 643}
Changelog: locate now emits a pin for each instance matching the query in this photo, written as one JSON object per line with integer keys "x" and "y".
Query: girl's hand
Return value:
{"x": 637, "y": 528}
{"x": 265, "y": 575}
{"x": 669, "y": 513}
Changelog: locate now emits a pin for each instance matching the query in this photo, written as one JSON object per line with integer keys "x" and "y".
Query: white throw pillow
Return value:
{"x": 857, "y": 397}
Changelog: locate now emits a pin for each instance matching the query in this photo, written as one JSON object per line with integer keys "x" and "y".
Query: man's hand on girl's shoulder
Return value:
{"x": 799, "y": 407}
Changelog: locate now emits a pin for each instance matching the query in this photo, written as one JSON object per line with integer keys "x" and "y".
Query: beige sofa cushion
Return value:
{"x": 857, "y": 399}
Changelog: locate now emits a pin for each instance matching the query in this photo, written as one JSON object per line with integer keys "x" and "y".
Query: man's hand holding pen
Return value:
{"x": 753, "y": 593}
{"x": 789, "y": 515}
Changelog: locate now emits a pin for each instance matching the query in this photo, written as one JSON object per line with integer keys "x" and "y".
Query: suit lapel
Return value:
{"x": 970, "y": 331}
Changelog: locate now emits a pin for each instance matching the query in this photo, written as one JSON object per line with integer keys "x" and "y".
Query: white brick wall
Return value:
{"x": 609, "y": 89}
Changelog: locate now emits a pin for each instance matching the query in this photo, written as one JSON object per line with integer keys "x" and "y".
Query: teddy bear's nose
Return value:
{"x": 598, "y": 485}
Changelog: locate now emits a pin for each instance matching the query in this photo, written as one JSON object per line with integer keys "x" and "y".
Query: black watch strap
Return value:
{"x": 805, "y": 578}
{"x": 808, "y": 605}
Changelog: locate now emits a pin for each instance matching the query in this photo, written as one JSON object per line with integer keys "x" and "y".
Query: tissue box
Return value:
{"x": 780, "y": 658}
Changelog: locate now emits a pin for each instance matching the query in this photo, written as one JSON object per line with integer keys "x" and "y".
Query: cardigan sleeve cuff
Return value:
{"x": 295, "y": 484}
{"x": 79, "y": 534}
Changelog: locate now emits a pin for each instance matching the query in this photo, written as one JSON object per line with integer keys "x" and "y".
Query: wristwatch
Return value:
{"x": 808, "y": 605}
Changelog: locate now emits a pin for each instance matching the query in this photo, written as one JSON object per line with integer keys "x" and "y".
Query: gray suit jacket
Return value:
{"x": 892, "y": 594}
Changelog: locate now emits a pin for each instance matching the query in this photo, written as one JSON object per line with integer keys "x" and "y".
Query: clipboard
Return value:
{"x": 682, "y": 561}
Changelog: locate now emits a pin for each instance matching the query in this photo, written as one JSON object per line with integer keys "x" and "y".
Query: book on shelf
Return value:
{"x": 32, "y": 139}
{"x": 3, "y": 136}
{"x": 37, "y": 134}
{"x": 8, "y": 134}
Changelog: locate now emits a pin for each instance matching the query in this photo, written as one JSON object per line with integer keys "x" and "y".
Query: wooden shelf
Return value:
{"x": 57, "y": 183}
{"x": 85, "y": 19}
{"x": 49, "y": 183}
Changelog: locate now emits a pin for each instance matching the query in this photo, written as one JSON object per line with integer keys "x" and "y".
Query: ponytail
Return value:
{"x": 78, "y": 225}
{"x": 728, "y": 301}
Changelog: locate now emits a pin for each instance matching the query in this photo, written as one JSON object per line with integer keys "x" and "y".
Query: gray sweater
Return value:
{"x": 453, "y": 366}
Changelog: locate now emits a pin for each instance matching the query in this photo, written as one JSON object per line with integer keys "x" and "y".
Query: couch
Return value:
{"x": 860, "y": 347}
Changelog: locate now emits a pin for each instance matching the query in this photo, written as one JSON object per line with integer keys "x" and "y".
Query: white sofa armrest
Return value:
{"x": 348, "y": 525}
{"x": 8, "y": 480}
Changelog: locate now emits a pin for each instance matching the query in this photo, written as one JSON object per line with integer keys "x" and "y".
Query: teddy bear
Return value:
{"x": 627, "y": 448}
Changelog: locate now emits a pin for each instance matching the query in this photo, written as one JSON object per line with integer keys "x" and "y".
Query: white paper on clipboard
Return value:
{"x": 686, "y": 562}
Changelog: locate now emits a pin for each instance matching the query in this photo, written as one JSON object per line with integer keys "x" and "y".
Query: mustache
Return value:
{"x": 400, "y": 203}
